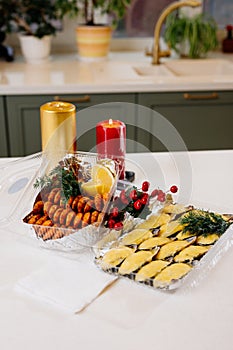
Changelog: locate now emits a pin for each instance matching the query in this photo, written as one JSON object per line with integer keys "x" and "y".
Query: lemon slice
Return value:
{"x": 102, "y": 176}
{"x": 92, "y": 188}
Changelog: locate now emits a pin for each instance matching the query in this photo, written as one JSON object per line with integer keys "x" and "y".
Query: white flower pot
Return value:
{"x": 35, "y": 50}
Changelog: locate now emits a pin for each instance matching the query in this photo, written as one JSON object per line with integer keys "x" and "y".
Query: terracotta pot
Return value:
{"x": 93, "y": 42}
{"x": 35, "y": 50}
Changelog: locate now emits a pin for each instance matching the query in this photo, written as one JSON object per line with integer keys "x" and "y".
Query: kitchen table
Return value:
{"x": 127, "y": 315}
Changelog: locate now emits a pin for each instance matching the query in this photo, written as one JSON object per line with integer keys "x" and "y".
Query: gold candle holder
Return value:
{"x": 58, "y": 130}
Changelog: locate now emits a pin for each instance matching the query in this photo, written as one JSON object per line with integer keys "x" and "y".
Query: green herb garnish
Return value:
{"x": 42, "y": 182}
{"x": 64, "y": 176}
{"x": 204, "y": 223}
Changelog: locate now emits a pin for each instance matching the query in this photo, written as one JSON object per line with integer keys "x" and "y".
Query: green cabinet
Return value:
{"x": 3, "y": 130}
{"x": 157, "y": 121}
{"x": 24, "y": 119}
{"x": 196, "y": 120}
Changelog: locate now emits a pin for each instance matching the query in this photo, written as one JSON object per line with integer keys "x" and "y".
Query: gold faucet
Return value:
{"x": 173, "y": 6}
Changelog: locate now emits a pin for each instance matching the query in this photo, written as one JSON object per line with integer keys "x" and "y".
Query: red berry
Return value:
{"x": 144, "y": 199}
{"x": 111, "y": 223}
{"x": 161, "y": 197}
{"x": 118, "y": 226}
{"x": 123, "y": 197}
{"x": 174, "y": 189}
{"x": 137, "y": 205}
{"x": 145, "y": 195}
{"x": 115, "y": 212}
{"x": 154, "y": 193}
{"x": 161, "y": 193}
{"x": 133, "y": 195}
{"x": 122, "y": 194}
{"x": 145, "y": 186}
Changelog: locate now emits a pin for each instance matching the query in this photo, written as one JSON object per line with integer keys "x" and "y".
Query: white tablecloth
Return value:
{"x": 129, "y": 316}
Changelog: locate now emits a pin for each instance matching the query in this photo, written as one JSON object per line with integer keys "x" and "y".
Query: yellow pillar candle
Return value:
{"x": 58, "y": 126}
{"x": 58, "y": 131}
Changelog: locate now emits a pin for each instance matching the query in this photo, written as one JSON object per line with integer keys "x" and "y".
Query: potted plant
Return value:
{"x": 191, "y": 37}
{"x": 93, "y": 38}
{"x": 35, "y": 21}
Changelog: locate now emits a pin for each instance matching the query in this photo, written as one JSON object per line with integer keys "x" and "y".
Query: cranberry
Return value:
{"x": 133, "y": 195}
{"x": 118, "y": 226}
{"x": 174, "y": 189}
{"x": 123, "y": 197}
{"x": 115, "y": 212}
{"x": 137, "y": 205}
{"x": 145, "y": 186}
{"x": 161, "y": 197}
{"x": 111, "y": 223}
{"x": 154, "y": 193}
{"x": 144, "y": 199}
{"x": 122, "y": 194}
{"x": 160, "y": 193}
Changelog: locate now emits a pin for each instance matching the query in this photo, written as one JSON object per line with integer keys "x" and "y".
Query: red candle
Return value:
{"x": 111, "y": 142}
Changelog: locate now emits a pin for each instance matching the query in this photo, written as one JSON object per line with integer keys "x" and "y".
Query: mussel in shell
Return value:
{"x": 136, "y": 236}
{"x": 154, "y": 242}
{"x": 155, "y": 221}
{"x": 150, "y": 270}
{"x": 171, "y": 273}
{"x": 170, "y": 249}
{"x": 206, "y": 240}
{"x": 190, "y": 253}
{"x": 114, "y": 257}
{"x": 148, "y": 223}
{"x": 184, "y": 235}
{"x": 135, "y": 261}
{"x": 174, "y": 209}
{"x": 170, "y": 229}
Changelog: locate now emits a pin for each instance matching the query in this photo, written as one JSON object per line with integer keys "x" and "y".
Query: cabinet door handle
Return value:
{"x": 212, "y": 96}
{"x": 83, "y": 99}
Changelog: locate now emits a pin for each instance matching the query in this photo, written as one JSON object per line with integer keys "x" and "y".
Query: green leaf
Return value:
{"x": 204, "y": 223}
{"x": 199, "y": 31}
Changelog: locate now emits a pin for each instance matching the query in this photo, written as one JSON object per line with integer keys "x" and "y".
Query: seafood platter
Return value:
{"x": 165, "y": 247}
{"x": 135, "y": 233}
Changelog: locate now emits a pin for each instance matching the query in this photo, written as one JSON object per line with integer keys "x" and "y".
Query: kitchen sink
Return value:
{"x": 200, "y": 67}
{"x": 114, "y": 71}
{"x": 153, "y": 71}
{"x": 170, "y": 70}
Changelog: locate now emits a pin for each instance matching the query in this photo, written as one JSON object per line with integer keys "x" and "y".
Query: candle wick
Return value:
{"x": 110, "y": 121}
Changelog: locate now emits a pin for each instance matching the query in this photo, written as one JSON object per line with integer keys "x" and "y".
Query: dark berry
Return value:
{"x": 174, "y": 189}
{"x": 133, "y": 195}
{"x": 145, "y": 186}
{"x": 137, "y": 205}
{"x": 118, "y": 226}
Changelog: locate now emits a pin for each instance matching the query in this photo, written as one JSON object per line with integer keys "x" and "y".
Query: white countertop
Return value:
{"x": 128, "y": 316}
{"x": 65, "y": 74}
